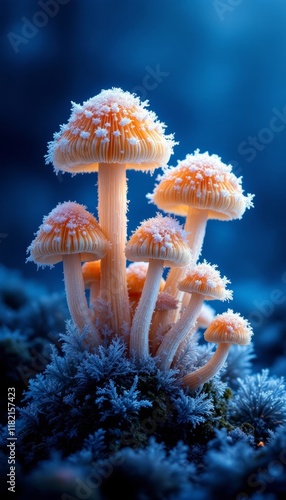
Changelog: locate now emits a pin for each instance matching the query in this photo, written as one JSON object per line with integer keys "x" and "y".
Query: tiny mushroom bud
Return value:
{"x": 71, "y": 234}
{"x": 203, "y": 282}
{"x": 200, "y": 187}
{"x": 108, "y": 134}
{"x": 160, "y": 241}
{"x": 226, "y": 329}
{"x": 91, "y": 278}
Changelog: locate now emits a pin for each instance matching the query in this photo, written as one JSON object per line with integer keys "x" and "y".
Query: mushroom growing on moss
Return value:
{"x": 226, "y": 329}
{"x": 203, "y": 282}
{"x": 108, "y": 134}
{"x": 72, "y": 235}
{"x": 160, "y": 241}
{"x": 200, "y": 187}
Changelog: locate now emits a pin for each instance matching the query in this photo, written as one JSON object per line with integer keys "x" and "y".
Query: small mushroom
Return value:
{"x": 226, "y": 329}
{"x": 203, "y": 282}
{"x": 71, "y": 234}
{"x": 161, "y": 242}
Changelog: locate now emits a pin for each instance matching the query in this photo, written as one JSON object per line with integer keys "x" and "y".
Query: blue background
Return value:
{"x": 220, "y": 81}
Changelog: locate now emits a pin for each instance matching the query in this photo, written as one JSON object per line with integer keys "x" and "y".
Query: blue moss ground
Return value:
{"x": 93, "y": 422}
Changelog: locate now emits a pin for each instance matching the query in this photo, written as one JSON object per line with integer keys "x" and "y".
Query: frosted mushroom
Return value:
{"x": 108, "y": 134}
{"x": 91, "y": 278}
{"x": 71, "y": 234}
{"x": 161, "y": 242}
{"x": 226, "y": 329}
{"x": 200, "y": 187}
{"x": 203, "y": 282}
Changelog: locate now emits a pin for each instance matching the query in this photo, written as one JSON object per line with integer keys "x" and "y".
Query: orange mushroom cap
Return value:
{"x": 68, "y": 229}
{"x": 91, "y": 272}
{"x": 160, "y": 238}
{"x": 205, "y": 279}
{"x": 112, "y": 127}
{"x": 230, "y": 328}
{"x": 201, "y": 181}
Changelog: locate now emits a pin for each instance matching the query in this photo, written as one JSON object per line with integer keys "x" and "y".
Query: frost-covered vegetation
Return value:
{"x": 121, "y": 391}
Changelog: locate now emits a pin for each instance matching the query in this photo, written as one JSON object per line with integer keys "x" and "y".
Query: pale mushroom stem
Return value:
{"x": 173, "y": 338}
{"x": 195, "y": 226}
{"x": 139, "y": 334}
{"x": 76, "y": 298}
{"x": 112, "y": 209}
{"x": 195, "y": 379}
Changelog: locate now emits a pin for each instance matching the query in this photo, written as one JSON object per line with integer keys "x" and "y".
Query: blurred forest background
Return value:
{"x": 214, "y": 71}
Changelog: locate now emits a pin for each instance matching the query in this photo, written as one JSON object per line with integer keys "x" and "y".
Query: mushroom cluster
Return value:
{"x": 108, "y": 134}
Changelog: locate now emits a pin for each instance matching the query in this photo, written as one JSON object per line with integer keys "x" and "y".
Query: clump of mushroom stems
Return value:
{"x": 195, "y": 226}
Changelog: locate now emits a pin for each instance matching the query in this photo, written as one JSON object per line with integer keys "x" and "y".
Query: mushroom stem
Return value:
{"x": 195, "y": 379}
{"x": 195, "y": 226}
{"x": 112, "y": 209}
{"x": 139, "y": 334}
{"x": 173, "y": 338}
{"x": 76, "y": 297}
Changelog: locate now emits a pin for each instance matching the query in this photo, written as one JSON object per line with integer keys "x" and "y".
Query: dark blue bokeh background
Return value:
{"x": 213, "y": 71}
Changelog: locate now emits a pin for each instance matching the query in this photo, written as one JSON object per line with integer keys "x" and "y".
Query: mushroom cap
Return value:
{"x": 136, "y": 275}
{"x": 229, "y": 328}
{"x": 68, "y": 229}
{"x": 112, "y": 127}
{"x": 206, "y": 280}
{"x": 160, "y": 238}
{"x": 91, "y": 272}
{"x": 201, "y": 181}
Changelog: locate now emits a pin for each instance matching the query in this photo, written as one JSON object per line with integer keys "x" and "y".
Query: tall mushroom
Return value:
{"x": 200, "y": 187}
{"x": 108, "y": 134}
{"x": 226, "y": 329}
{"x": 203, "y": 282}
{"x": 161, "y": 242}
{"x": 71, "y": 234}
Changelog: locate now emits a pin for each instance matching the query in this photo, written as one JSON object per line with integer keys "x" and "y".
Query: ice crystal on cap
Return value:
{"x": 112, "y": 127}
{"x": 68, "y": 229}
{"x": 159, "y": 238}
{"x": 202, "y": 181}
{"x": 229, "y": 327}
{"x": 206, "y": 280}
